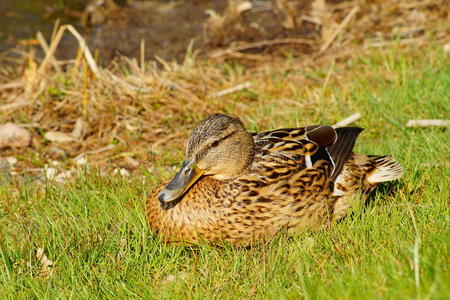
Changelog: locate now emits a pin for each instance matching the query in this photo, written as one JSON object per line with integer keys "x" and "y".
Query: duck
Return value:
{"x": 245, "y": 188}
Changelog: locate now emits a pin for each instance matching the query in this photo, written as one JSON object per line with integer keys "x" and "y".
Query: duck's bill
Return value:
{"x": 183, "y": 180}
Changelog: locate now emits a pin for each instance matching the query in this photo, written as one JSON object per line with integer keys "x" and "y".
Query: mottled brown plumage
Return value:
{"x": 245, "y": 188}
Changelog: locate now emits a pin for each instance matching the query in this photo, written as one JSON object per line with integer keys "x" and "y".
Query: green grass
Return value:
{"x": 397, "y": 247}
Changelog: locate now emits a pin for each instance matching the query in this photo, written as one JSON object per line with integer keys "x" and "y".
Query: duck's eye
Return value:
{"x": 215, "y": 144}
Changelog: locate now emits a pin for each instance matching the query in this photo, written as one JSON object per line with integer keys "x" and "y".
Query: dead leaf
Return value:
{"x": 217, "y": 24}
{"x": 46, "y": 263}
{"x": 321, "y": 12}
{"x": 77, "y": 131}
{"x": 244, "y": 6}
{"x": 290, "y": 14}
{"x": 122, "y": 249}
{"x": 80, "y": 160}
{"x": 55, "y": 152}
{"x": 59, "y": 137}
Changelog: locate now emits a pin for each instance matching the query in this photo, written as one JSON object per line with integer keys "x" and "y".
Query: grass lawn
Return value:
{"x": 397, "y": 247}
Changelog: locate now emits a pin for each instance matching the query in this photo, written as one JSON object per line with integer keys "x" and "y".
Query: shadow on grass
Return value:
{"x": 383, "y": 191}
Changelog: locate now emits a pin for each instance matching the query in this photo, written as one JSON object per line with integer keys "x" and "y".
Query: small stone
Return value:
{"x": 14, "y": 136}
{"x": 129, "y": 163}
{"x": 124, "y": 172}
{"x": 11, "y": 160}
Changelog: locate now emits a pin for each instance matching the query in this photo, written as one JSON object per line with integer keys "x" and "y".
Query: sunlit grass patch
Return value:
{"x": 397, "y": 246}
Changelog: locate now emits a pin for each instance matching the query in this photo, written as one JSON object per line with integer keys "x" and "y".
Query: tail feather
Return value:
{"x": 386, "y": 169}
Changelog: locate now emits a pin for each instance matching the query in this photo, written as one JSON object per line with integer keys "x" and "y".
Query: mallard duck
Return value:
{"x": 246, "y": 187}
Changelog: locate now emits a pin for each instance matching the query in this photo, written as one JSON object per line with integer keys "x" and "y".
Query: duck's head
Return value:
{"x": 219, "y": 146}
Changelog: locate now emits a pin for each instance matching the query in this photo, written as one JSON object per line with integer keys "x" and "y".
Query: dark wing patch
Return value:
{"x": 321, "y": 135}
{"x": 280, "y": 134}
{"x": 340, "y": 151}
{"x": 322, "y": 153}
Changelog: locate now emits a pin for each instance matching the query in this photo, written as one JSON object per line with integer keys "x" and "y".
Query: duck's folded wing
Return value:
{"x": 310, "y": 144}
{"x": 288, "y": 142}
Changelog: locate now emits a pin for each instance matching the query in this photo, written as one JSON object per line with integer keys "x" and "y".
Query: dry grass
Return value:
{"x": 143, "y": 107}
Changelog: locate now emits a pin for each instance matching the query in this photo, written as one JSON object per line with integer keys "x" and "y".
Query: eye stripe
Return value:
{"x": 225, "y": 137}
{"x": 203, "y": 152}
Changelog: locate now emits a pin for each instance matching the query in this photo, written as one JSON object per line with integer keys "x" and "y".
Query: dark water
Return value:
{"x": 113, "y": 28}
{"x": 118, "y": 27}
{"x": 21, "y": 19}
